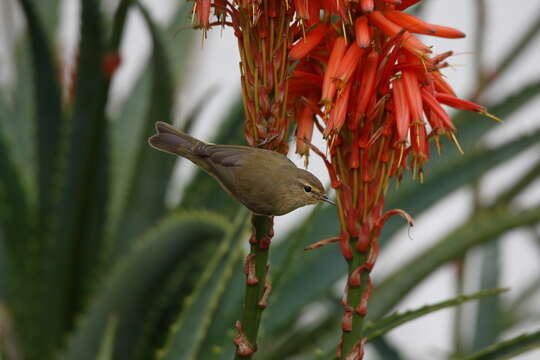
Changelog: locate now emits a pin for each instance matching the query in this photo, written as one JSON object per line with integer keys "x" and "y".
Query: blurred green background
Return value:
{"x": 100, "y": 260}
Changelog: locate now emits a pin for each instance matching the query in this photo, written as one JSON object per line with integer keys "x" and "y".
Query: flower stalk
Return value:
{"x": 257, "y": 287}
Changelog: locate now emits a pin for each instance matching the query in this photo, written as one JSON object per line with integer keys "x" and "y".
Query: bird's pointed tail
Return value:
{"x": 172, "y": 141}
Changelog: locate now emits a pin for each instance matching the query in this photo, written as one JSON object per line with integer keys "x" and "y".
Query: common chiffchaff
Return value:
{"x": 266, "y": 182}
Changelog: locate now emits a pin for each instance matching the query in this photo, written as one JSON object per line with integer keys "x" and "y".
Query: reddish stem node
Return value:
{"x": 243, "y": 346}
{"x": 249, "y": 270}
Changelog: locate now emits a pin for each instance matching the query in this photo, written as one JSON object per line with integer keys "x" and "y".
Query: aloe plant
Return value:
{"x": 95, "y": 265}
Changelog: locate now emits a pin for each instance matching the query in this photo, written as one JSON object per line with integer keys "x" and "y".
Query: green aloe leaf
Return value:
{"x": 107, "y": 345}
{"x": 517, "y": 311}
{"x": 301, "y": 276}
{"x": 385, "y": 349}
{"x": 141, "y": 182}
{"x": 218, "y": 343}
{"x": 323, "y": 336}
{"x": 14, "y": 210}
{"x": 384, "y": 325}
{"x": 152, "y": 259}
{"x": 4, "y": 268}
{"x": 17, "y": 113}
{"x": 48, "y": 10}
{"x": 77, "y": 232}
{"x": 34, "y": 302}
{"x": 487, "y": 317}
{"x": 471, "y": 126}
{"x": 187, "y": 334}
{"x": 48, "y": 113}
{"x": 508, "y": 349}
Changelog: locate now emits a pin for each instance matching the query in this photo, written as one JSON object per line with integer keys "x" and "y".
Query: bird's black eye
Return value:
{"x": 307, "y": 188}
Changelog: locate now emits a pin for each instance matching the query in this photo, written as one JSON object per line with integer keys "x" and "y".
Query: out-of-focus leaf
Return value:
{"x": 384, "y": 325}
{"x": 77, "y": 231}
{"x": 188, "y": 333}
{"x": 10, "y": 349}
{"x": 385, "y": 349}
{"x": 311, "y": 274}
{"x": 483, "y": 228}
{"x": 488, "y": 310}
{"x": 48, "y": 111}
{"x": 17, "y": 118}
{"x": 375, "y": 330}
{"x": 519, "y": 47}
{"x": 471, "y": 126}
{"x": 4, "y": 268}
{"x": 517, "y": 310}
{"x": 140, "y": 189}
{"x": 151, "y": 259}
{"x": 48, "y": 11}
{"x": 40, "y": 301}
{"x": 107, "y": 345}
{"x": 162, "y": 305}
{"x": 204, "y": 191}
{"x": 13, "y": 199}
{"x": 509, "y": 348}
{"x": 219, "y": 339}
{"x": 316, "y": 337}
{"x": 128, "y": 131}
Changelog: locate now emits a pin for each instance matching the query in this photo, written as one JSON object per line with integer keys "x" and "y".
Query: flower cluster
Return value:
{"x": 376, "y": 92}
{"x": 262, "y": 30}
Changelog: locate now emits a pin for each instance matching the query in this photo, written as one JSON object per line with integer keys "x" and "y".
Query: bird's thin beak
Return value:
{"x": 326, "y": 199}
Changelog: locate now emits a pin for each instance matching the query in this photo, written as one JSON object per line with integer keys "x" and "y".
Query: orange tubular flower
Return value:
{"x": 362, "y": 32}
{"x": 305, "y": 45}
{"x": 354, "y": 69}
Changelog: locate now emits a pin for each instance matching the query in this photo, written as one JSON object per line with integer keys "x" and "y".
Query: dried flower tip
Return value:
{"x": 447, "y": 32}
{"x": 322, "y": 243}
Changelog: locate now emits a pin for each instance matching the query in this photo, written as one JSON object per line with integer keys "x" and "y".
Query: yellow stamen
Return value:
{"x": 456, "y": 142}
{"x": 491, "y": 116}
{"x": 438, "y": 144}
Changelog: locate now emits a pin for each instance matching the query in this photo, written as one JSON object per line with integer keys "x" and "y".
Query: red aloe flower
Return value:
{"x": 381, "y": 100}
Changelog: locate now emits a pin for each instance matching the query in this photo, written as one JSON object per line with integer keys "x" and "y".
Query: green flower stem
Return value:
{"x": 256, "y": 286}
{"x": 354, "y": 297}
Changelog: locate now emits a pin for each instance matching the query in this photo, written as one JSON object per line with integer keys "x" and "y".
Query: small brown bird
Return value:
{"x": 266, "y": 182}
